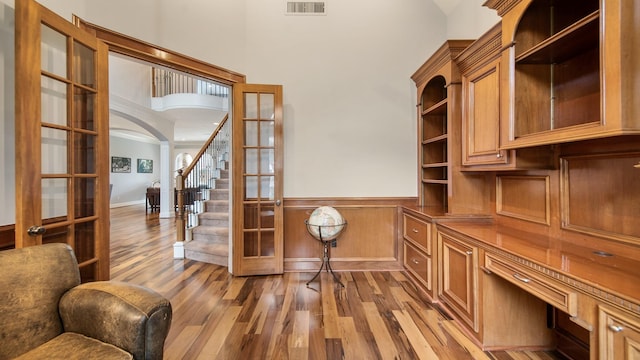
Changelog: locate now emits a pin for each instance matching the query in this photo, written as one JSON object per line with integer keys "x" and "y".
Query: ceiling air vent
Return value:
{"x": 305, "y": 8}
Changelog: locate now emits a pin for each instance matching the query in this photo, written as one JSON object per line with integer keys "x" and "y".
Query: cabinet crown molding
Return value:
{"x": 483, "y": 50}
{"x": 447, "y": 52}
{"x": 501, "y": 6}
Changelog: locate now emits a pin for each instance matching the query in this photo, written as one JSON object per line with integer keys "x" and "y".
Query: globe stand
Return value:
{"x": 325, "y": 252}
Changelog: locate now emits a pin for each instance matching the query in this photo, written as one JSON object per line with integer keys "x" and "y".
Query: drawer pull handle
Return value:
{"x": 486, "y": 271}
{"x": 415, "y": 230}
{"x": 469, "y": 252}
{"x": 521, "y": 278}
{"x": 415, "y": 261}
{"x": 615, "y": 328}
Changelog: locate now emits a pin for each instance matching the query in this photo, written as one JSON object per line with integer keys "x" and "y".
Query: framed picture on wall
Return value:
{"x": 145, "y": 166}
{"x": 120, "y": 164}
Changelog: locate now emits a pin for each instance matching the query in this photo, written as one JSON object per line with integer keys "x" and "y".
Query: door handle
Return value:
{"x": 278, "y": 202}
{"x": 36, "y": 230}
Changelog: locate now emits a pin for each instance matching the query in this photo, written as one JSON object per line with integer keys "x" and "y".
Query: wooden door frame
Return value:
{"x": 138, "y": 49}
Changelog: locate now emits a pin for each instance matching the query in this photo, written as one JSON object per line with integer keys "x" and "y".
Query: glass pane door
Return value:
{"x": 61, "y": 132}
{"x": 257, "y": 175}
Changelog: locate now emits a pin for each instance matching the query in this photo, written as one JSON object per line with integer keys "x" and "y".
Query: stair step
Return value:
{"x": 216, "y": 206}
{"x": 211, "y": 234}
{"x": 222, "y": 183}
{"x": 217, "y": 219}
{"x": 210, "y": 253}
{"x": 219, "y": 194}
{"x": 224, "y": 174}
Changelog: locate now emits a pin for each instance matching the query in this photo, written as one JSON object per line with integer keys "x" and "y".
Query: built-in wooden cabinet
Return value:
{"x": 619, "y": 335}
{"x": 480, "y": 67}
{"x": 438, "y": 85}
{"x": 495, "y": 313}
{"x": 551, "y": 92}
{"x": 566, "y": 70}
{"x": 418, "y": 250}
{"x": 482, "y": 89}
{"x": 458, "y": 278}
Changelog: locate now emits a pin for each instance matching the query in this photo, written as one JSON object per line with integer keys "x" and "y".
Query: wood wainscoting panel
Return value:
{"x": 601, "y": 195}
{"x": 524, "y": 197}
{"x": 369, "y": 242}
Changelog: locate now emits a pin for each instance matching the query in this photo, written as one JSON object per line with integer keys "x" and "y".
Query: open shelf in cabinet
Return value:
{"x": 557, "y": 67}
{"x": 561, "y": 46}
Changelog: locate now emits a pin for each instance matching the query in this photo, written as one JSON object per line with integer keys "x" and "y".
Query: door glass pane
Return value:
{"x": 266, "y": 161}
{"x": 251, "y": 242}
{"x": 54, "y": 198}
{"x": 250, "y": 106}
{"x": 54, "y": 151}
{"x": 251, "y": 133}
{"x": 250, "y": 216}
{"x": 58, "y": 234}
{"x": 267, "y": 244}
{"x": 266, "y": 106}
{"x": 251, "y": 161}
{"x": 266, "y": 133}
{"x": 84, "y": 150}
{"x": 84, "y": 241}
{"x": 83, "y": 65}
{"x": 266, "y": 188}
{"x": 83, "y": 108}
{"x": 88, "y": 272}
{"x": 84, "y": 192}
{"x": 251, "y": 187}
{"x": 53, "y": 101}
{"x": 54, "y": 52}
{"x": 267, "y": 215}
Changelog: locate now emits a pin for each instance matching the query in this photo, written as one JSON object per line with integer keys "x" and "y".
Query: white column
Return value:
{"x": 166, "y": 181}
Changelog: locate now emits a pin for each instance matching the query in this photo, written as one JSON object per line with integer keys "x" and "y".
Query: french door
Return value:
{"x": 257, "y": 180}
{"x": 62, "y": 138}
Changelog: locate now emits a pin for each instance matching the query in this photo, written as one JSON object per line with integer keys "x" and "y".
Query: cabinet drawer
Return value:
{"x": 418, "y": 264}
{"x": 419, "y": 232}
{"x": 549, "y": 292}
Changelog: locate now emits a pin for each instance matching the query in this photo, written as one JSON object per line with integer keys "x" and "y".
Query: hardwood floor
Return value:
{"x": 378, "y": 315}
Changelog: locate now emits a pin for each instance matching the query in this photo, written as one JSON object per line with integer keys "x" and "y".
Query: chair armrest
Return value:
{"x": 131, "y": 317}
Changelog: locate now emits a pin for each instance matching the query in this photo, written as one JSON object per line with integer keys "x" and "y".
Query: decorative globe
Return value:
{"x": 325, "y": 223}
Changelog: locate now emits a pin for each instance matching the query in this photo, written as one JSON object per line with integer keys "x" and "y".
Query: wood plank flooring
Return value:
{"x": 378, "y": 315}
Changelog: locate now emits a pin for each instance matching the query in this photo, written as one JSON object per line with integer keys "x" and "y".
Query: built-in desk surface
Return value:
{"x": 604, "y": 264}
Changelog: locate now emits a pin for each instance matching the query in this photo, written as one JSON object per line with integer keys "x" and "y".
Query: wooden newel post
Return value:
{"x": 180, "y": 231}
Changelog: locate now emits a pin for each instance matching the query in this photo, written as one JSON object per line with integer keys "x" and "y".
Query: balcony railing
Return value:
{"x": 166, "y": 82}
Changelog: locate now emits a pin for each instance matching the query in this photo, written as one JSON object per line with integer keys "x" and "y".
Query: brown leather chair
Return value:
{"x": 45, "y": 313}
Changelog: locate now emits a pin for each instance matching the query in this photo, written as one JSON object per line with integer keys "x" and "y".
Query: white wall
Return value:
{"x": 470, "y": 21}
{"x": 137, "y": 87}
{"x": 130, "y": 188}
{"x": 7, "y": 115}
{"x": 349, "y": 102}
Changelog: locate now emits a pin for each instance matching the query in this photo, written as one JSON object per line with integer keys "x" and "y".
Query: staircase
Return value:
{"x": 210, "y": 238}
{"x": 203, "y": 227}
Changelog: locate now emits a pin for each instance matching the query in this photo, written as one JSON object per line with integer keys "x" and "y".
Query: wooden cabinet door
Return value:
{"x": 258, "y": 247}
{"x": 62, "y": 138}
{"x": 481, "y": 117}
{"x": 619, "y": 335}
{"x": 458, "y": 278}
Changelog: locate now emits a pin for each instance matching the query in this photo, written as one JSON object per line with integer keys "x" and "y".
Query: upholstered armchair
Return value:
{"x": 45, "y": 313}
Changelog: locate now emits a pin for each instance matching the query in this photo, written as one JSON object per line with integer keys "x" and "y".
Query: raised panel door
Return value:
{"x": 458, "y": 278}
{"x": 619, "y": 335}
